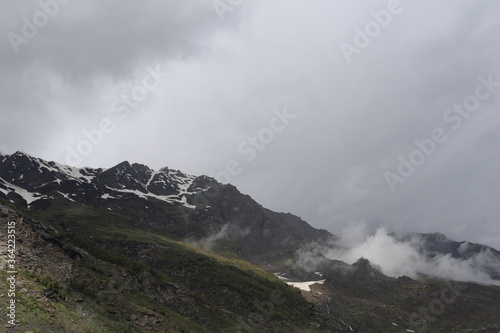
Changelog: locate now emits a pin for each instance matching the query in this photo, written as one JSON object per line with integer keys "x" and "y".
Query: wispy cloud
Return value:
{"x": 410, "y": 257}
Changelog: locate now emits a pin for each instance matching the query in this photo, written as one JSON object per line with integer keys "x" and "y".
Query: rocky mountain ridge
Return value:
{"x": 190, "y": 207}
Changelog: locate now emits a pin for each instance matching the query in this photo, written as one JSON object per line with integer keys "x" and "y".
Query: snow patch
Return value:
{"x": 138, "y": 193}
{"x": 184, "y": 182}
{"x": 4, "y": 191}
{"x": 66, "y": 196}
{"x": 70, "y": 172}
{"x": 185, "y": 203}
{"x": 108, "y": 196}
{"x": 27, "y": 196}
{"x": 150, "y": 179}
{"x": 306, "y": 285}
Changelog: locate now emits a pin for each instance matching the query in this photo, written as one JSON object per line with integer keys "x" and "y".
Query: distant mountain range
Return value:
{"x": 129, "y": 230}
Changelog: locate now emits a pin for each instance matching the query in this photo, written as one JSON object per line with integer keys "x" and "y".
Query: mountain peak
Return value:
{"x": 124, "y": 164}
{"x": 21, "y": 153}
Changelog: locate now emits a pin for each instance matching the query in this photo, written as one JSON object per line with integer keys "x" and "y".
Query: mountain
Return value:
{"x": 131, "y": 249}
{"x": 432, "y": 245}
{"x": 167, "y": 200}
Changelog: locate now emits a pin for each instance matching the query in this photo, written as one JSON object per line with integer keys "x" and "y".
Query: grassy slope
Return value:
{"x": 129, "y": 278}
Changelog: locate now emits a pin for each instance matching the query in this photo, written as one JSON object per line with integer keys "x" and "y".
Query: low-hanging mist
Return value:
{"x": 398, "y": 256}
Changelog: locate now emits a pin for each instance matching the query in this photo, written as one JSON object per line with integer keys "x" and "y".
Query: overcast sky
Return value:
{"x": 310, "y": 107}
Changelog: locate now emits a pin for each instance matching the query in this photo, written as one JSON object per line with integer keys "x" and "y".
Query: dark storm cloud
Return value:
{"x": 57, "y": 67}
{"x": 91, "y": 38}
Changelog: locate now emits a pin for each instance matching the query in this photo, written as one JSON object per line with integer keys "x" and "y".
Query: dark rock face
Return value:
{"x": 256, "y": 229}
{"x": 24, "y": 171}
{"x": 363, "y": 274}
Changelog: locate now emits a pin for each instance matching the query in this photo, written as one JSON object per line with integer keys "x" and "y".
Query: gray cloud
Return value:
{"x": 397, "y": 258}
{"x": 225, "y": 78}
